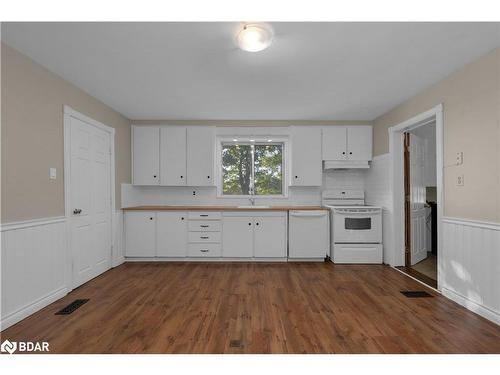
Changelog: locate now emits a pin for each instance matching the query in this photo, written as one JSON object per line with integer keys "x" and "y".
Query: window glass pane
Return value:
{"x": 268, "y": 161}
{"x": 236, "y": 169}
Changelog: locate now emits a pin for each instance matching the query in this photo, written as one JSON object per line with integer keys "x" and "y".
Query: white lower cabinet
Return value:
{"x": 237, "y": 237}
{"x": 270, "y": 237}
{"x": 180, "y": 234}
{"x": 252, "y": 236}
{"x": 140, "y": 234}
{"x": 171, "y": 234}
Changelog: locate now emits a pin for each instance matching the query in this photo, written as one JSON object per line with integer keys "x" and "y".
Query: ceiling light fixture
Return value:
{"x": 255, "y": 38}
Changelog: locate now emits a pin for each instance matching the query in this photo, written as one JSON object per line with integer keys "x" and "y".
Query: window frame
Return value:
{"x": 246, "y": 139}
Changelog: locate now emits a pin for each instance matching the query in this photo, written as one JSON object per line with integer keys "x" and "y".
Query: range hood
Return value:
{"x": 346, "y": 164}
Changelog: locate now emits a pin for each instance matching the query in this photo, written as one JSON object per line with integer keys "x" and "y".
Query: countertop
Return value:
{"x": 224, "y": 208}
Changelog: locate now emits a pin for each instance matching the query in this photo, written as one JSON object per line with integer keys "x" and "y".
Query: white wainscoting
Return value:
{"x": 471, "y": 265}
{"x": 34, "y": 272}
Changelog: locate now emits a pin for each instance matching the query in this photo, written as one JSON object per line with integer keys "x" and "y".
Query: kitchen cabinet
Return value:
{"x": 259, "y": 236}
{"x": 171, "y": 234}
{"x": 237, "y": 237}
{"x": 306, "y": 169}
{"x": 146, "y": 155}
{"x": 200, "y": 155}
{"x": 270, "y": 237}
{"x": 140, "y": 234}
{"x": 173, "y": 168}
{"x": 347, "y": 143}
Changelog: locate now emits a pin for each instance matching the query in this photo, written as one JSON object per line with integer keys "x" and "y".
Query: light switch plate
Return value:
{"x": 460, "y": 180}
{"x": 52, "y": 173}
{"x": 460, "y": 158}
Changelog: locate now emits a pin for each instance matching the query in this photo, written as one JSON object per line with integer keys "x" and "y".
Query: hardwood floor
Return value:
{"x": 268, "y": 308}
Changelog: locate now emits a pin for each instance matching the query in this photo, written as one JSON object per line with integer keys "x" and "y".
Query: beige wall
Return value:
{"x": 32, "y": 137}
{"x": 471, "y": 102}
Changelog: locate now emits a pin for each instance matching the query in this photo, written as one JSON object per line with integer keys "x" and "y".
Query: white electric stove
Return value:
{"x": 356, "y": 229}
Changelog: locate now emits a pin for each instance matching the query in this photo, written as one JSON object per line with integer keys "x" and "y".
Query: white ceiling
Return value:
{"x": 312, "y": 71}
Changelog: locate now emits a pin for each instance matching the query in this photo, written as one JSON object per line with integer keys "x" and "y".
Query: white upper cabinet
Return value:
{"x": 334, "y": 143}
{"x": 173, "y": 168}
{"x": 200, "y": 155}
{"x": 306, "y": 156}
{"x": 347, "y": 143}
{"x": 146, "y": 155}
{"x": 359, "y": 142}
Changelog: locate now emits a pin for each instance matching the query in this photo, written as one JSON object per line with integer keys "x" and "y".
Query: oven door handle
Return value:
{"x": 349, "y": 213}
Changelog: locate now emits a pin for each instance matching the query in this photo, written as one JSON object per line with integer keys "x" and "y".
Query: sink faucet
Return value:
{"x": 252, "y": 201}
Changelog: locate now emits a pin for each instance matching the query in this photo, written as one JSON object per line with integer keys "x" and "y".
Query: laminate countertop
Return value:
{"x": 225, "y": 208}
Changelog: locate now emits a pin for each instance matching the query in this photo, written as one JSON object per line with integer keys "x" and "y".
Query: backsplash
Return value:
{"x": 375, "y": 182}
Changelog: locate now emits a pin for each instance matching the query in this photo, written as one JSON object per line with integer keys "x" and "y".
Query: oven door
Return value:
{"x": 357, "y": 226}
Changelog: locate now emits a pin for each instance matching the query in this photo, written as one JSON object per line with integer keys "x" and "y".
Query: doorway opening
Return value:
{"x": 417, "y": 178}
{"x": 420, "y": 203}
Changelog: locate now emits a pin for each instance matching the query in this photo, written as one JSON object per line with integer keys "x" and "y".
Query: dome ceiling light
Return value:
{"x": 254, "y": 37}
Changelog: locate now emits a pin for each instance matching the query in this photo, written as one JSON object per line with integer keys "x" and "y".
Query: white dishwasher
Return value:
{"x": 308, "y": 235}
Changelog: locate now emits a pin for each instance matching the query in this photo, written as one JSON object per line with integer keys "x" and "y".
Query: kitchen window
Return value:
{"x": 252, "y": 168}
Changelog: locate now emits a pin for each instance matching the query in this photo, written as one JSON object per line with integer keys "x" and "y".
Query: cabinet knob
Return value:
{"x": 150, "y": 218}
{"x": 182, "y": 176}
{"x": 154, "y": 176}
{"x": 182, "y": 218}
{"x": 208, "y": 176}
{"x": 256, "y": 223}
{"x": 350, "y": 153}
{"x": 249, "y": 223}
{"x": 296, "y": 176}
{"x": 343, "y": 153}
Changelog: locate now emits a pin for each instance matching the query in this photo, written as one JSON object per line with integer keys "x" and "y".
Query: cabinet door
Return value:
{"x": 306, "y": 156}
{"x": 334, "y": 143}
{"x": 146, "y": 155}
{"x": 200, "y": 155}
{"x": 270, "y": 237}
{"x": 140, "y": 229}
{"x": 359, "y": 142}
{"x": 171, "y": 234}
{"x": 173, "y": 156}
{"x": 237, "y": 237}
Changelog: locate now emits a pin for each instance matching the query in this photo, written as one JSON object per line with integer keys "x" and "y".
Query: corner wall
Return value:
{"x": 32, "y": 137}
{"x": 471, "y": 109}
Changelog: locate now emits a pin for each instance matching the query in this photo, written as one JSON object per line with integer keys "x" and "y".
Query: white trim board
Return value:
{"x": 472, "y": 306}
{"x": 31, "y": 223}
{"x": 472, "y": 223}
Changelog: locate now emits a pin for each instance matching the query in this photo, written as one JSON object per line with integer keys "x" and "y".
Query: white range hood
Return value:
{"x": 345, "y": 164}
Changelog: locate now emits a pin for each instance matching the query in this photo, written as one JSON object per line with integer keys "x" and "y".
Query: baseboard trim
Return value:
{"x": 483, "y": 311}
{"x": 30, "y": 309}
{"x": 180, "y": 259}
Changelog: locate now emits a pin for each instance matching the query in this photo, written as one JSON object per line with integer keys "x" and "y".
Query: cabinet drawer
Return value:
{"x": 204, "y": 226}
{"x": 208, "y": 215}
{"x": 204, "y": 250}
{"x": 202, "y": 237}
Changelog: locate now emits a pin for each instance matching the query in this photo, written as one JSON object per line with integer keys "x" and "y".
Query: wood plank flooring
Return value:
{"x": 256, "y": 308}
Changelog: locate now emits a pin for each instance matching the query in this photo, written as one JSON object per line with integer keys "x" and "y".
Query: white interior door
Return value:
{"x": 90, "y": 184}
{"x": 417, "y": 196}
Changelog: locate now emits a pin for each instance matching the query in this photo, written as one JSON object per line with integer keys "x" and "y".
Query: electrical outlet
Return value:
{"x": 460, "y": 180}
{"x": 460, "y": 158}
{"x": 52, "y": 173}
